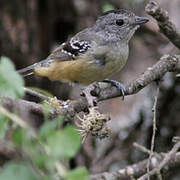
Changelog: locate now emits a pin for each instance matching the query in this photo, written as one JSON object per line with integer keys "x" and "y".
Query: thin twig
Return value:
{"x": 36, "y": 94}
{"x": 165, "y": 161}
{"x": 145, "y": 150}
{"x": 17, "y": 120}
{"x": 154, "y": 130}
{"x": 13, "y": 117}
{"x": 142, "y": 148}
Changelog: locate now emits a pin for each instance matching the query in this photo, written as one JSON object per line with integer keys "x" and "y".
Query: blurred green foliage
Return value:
{"x": 16, "y": 171}
{"x": 4, "y": 121}
{"x": 44, "y": 154}
{"x": 64, "y": 143}
{"x": 78, "y": 173}
{"x": 11, "y": 83}
{"x": 107, "y": 7}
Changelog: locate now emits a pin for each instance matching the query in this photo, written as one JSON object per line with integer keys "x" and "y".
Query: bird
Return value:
{"x": 93, "y": 54}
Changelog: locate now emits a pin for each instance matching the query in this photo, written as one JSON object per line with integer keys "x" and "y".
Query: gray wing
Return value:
{"x": 68, "y": 51}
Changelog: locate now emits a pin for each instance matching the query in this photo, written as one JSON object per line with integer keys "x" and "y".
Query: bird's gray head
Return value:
{"x": 118, "y": 25}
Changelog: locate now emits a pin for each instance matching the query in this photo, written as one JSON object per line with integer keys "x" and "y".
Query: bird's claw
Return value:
{"x": 118, "y": 85}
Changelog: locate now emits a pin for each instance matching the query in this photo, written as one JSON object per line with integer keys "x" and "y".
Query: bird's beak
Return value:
{"x": 140, "y": 20}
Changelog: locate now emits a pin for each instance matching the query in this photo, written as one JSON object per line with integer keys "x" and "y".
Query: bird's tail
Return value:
{"x": 27, "y": 70}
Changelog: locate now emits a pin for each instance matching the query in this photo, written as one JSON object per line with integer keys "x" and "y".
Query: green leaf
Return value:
{"x": 11, "y": 83}
{"x": 78, "y": 173}
{"x": 107, "y": 7}
{"x": 13, "y": 171}
{"x": 40, "y": 160}
{"x": 65, "y": 143}
{"x": 18, "y": 135}
{"x": 48, "y": 127}
{"x": 4, "y": 125}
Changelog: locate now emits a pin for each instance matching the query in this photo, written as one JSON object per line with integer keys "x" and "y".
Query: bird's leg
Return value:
{"x": 118, "y": 85}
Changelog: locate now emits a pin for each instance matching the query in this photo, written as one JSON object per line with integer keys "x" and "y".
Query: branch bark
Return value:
{"x": 165, "y": 25}
{"x": 167, "y": 63}
{"x": 27, "y": 109}
{"x": 169, "y": 156}
{"x": 138, "y": 169}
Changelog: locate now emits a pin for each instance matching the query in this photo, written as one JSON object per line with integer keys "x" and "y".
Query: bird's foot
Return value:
{"x": 118, "y": 85}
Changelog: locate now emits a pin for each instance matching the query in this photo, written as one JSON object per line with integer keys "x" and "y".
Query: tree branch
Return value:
{"x": 158, "y": 162}
{"x": 165, "y": 25}
{"x": 27, "y": 109}
{"x": 169, "y": 156}
{"x": 154, "y": 109}
{"x": 167, "y": 63}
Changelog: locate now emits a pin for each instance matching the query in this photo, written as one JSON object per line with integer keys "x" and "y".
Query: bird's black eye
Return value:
{"x": 119, "y": 22}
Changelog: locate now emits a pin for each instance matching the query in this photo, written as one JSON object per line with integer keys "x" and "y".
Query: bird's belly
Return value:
{"x": 80, "y": 71}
